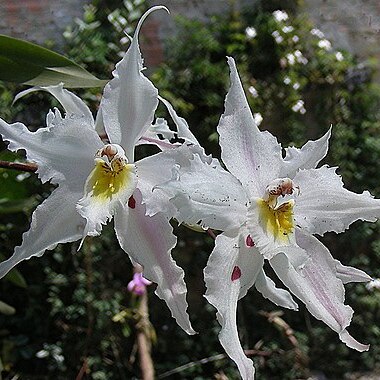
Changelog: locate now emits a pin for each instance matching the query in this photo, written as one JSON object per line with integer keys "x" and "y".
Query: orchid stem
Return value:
{"x": 143, "y": 340}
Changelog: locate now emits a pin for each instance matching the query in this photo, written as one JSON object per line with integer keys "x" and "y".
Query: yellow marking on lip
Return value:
{"x": 106, "y": 181}
{"x": 277, "y": 221}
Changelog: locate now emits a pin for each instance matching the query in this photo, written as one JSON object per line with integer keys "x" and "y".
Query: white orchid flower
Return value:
{"x": 269, "y": 207}
{"x": 97, "y": 181}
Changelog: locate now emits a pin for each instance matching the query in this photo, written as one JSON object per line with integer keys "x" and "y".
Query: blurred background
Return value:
{"x": 305, "y": 65}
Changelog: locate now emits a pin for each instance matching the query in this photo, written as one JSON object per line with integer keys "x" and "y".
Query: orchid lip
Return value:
{"x": 277, "y": 221}
{"x": 111, "y": 173}
{"x": 277, "y": 218}
{"x": 111, "y": 181}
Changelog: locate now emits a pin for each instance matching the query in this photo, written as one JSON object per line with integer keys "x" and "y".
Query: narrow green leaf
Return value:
{"x": 14, "y": 276}
{"x": 28, "y": 63}
{"x": 9, "y": 206}
{"x": 6, "y": 309}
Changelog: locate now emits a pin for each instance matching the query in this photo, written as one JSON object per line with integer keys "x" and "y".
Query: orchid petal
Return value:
{"x": 308, "y": 157}
{"x": 324, "y": 205}
{"x": 206, "y": 194}
{"x": 54, "y": 221}
{"x": 317, "y": 285}
{"x": 350, "y": 274}
{"x": 268, "y": 289}
{"x": 351, "y": 342}
{"x": 159, "y": 134}
{"x": 130, "y": 99}
{"x": 152, "y": 171}
{"x": 70, "y": 102}
{"x": 148, "y": 241}
{"x": 183, "y": 132}
{"x": 252, "y": 156}
{"x": 63, "y": 152}
{"x": 181, "y": 124}
{"x": 231, "y": 270}
{"x": 160, "y": 127}
{"x": 99, "y": 124}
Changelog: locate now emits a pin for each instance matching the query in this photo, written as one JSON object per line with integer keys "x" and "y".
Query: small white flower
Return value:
{"x": 317, "y": 32}
{"x": 125, "y": 40}
{"x": 291, "y": 58}
{"x": 250, "y": 32}
{"x": 280, "y": 15}
{"x": 324, "y": 44}
{"x": 287, "y": 29}
{"x": 118, "y": 21}
{"x": 299, "y": 107}
{"x": 339, "y": 56}
{"x": 258, "y": 118}
{"x": 287, "y": 80}
{"x": 295, "y": 38}
{"x": 253, "y": 91}
{"x": 278, "y": 38}
{"x": 296, "y": 86}
{"x": 374, "y": 284}
{"x": 22, "y": 176}
{"x": 300, "y": 57}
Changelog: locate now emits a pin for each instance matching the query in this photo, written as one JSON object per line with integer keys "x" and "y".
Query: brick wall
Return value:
{"x": 353, "y": 25}
{"x": 151, "y": 44}
{"x": 38, "y": 20}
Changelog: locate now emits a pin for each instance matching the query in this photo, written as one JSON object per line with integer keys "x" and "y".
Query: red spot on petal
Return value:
{"x": 249, "y": 241}
{"x": 236, "y": 273}
{"x": 131, "y": 202}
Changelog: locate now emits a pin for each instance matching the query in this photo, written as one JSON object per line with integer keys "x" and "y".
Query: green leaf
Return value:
{"x": 8, "y": 206}
{"x": 14, "y": 276}
{"x": 27, "y": 63}
{"x": 6, "y": 309}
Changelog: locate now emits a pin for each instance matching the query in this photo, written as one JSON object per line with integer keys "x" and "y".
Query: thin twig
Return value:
{"x": 208, "y": 360}
{"x": 90, "y": 311}
{"x": 142, "y": 338}
{"x": 27, "y": 167}
{"x": 83, "y": 370}
{"x": 143, "y": 342}
{"x": 274, "y": 317}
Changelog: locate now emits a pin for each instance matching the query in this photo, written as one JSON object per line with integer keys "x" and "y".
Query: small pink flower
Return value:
{"x": 138, "y": 284}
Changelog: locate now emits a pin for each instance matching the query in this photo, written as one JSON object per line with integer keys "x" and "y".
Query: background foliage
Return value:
{"x": 67, "y": 322}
